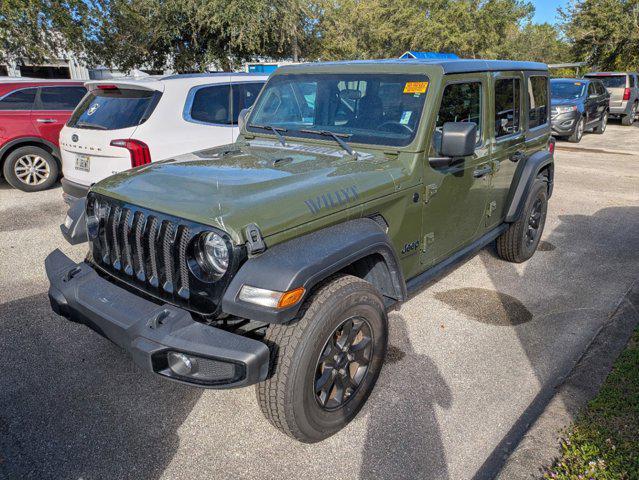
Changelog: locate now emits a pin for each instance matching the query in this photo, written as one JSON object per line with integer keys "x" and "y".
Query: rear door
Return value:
{"x": 53, "y": 107}
{"x": 507, "y": 140}
{"x": 106, "y": 114}
{"x": 592, "y": 104}
{"x": 15, "y": 113}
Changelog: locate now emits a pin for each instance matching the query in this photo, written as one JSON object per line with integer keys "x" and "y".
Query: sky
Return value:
{"x": 546, "y": 10}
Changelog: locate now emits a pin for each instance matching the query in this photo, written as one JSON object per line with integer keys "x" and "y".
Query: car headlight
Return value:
{"x": 565, "y": 108}
{"x": 213, "y": 254}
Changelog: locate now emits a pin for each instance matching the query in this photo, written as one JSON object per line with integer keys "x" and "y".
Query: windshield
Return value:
{"x": 381, "y": 109}
{"x": 114, "y": 109}
{"x": 611, "y": 81}
{"x": 567, "y": 90}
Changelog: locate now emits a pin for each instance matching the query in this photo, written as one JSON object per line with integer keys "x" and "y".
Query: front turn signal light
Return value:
{"x": 290, "y": 298}
{"x": 271, "y": 298}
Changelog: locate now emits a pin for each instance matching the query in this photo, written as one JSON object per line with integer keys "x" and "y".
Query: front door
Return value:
{"x": 455, "y": 196}
{"x": 507, "y": 141}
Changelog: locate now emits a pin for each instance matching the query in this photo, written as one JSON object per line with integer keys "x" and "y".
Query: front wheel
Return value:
{"x": 325, "y": 363}
{"x": 519, "y": 242}
{"x": 579, "y": 131}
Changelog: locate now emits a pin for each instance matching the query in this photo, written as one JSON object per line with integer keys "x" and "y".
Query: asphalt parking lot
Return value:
{"x": 469, "y": 355}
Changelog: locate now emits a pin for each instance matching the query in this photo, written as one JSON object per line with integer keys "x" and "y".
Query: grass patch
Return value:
{"x": 603, "y": 443}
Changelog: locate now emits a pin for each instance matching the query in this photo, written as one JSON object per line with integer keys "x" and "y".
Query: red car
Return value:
{"x": 32, "y": 113}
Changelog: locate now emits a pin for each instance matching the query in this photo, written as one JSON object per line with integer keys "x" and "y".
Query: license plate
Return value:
{"x": 83, "y": 163}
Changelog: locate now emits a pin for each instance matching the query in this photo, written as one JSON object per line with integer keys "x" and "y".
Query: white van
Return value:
{"x": 124, "y": 123}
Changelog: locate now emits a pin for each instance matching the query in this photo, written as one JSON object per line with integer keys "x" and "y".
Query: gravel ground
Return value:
{"x": 470, "y": 356}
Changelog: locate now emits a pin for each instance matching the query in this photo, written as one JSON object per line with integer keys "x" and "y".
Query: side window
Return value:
{"x": 244, "y": 95}
{"x": 601, "y": 90}
{"x": 19, "y": 100}
{"x": 60, "y": 98}
{"x": 507, "y": 106}
{"x": 591, "y": 89}
{"x": 537, "y": 101}
{"x": 211, "y": 104}
{"x": 461, "y": 102}
{"x": 631, "y": 79}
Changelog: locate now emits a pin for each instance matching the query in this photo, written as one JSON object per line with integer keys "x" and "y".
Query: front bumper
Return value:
{"x": 564, "y": 124}
{"x": 149, "y": 331}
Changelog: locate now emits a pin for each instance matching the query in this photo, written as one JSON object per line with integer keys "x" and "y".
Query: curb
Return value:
{"x": 556, "y": 409}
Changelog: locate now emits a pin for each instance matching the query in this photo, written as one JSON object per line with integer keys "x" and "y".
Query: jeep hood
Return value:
{"x": 275, "y": 187}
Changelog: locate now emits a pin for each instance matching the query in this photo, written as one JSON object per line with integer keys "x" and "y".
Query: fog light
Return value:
{"x": 182, "y": 364}
{"x": 202, "y": 370}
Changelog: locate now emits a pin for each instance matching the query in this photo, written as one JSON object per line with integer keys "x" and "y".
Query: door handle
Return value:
{"x": 483, "y": 171}
{"x": 46, "y": 120}
{"x": 515, "y": 157}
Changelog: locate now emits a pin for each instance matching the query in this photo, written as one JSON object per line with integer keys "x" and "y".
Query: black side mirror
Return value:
{"x": 458, "y": 140}
{"x": 241, "y": 118}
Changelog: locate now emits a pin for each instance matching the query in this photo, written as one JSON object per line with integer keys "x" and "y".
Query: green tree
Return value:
{"x": 535, "y": 42}
{"x": 604, "y": 33}
{"x": 32, "y": 30}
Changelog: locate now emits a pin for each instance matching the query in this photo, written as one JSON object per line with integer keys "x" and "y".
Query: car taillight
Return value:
{"x": 626, "y": 94}
{"x": 551, "y": 146}
{"x": 140, "y": 154}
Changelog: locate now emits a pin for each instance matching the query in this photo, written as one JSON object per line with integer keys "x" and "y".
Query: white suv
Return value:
{"x": 125, "y": 123}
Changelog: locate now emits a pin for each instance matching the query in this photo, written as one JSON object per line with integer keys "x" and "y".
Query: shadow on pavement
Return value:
{"x": 402, "y": 418}
{"x": 73, "y": 405}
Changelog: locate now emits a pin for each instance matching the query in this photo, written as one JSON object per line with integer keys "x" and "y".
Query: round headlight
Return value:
{"x": 214, "y": 254}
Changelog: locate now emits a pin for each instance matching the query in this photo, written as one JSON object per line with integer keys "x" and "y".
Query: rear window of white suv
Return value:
{"x": 114, "y": 108}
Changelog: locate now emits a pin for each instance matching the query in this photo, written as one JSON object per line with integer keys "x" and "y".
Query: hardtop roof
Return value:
{"x": 447, "y": 65}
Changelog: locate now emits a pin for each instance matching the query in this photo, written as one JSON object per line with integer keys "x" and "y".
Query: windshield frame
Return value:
{"x": 366, "y": 140}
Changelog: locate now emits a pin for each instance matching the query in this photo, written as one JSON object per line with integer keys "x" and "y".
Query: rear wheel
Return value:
{"x": 629, "y": 119}
{"x": 31, "y": 169}
{"x": 603, "y": 123}
{"x": 579, "y": 131}
{"x": 519, "y": 242}
{"x": 325, "y": 363}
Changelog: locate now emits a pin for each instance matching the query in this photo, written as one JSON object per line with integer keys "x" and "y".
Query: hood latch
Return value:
{"x": 254, "y": 241}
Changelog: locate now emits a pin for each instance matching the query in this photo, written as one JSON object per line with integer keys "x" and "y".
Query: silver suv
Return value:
{"x": 624, "y": 93}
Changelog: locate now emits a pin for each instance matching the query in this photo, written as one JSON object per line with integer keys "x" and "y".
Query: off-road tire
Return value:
{"x": 288, "y": 398}
{"x": 513, "y": 245}
{"x": 601, "y": 126}
{"x": 578, "y": 134}
{"x": 30, "y": 153}
{"x": 628, "y": 120}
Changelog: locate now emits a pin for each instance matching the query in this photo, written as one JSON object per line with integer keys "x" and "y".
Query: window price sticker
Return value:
{"x": 415, "y": 87}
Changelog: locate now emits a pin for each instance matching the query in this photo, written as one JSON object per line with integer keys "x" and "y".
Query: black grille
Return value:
{"x": 151, "y": 251}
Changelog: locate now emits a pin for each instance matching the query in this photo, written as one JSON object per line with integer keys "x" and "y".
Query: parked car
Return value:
{"x": 624, "y": 93}
{"x": 578, "y": 105}
{"x": 32, "y": 112}
{"x": 275, "y": 260}
{"x": 126, "y": 123}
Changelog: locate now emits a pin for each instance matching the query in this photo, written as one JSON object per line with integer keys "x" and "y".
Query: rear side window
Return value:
{"x": 114, "y": 109}
{"x": 244, "y": 95}
{"x": 537, "y": 101}
{"x": 611, "y": 81}
{"x": 601, "y": 90}
{"x": 507, "y": 106}
{"x": 19, "y": 100}
{"x": 210, "y": 104}
{"x": 631, "y": 78}
{"x": 60, "y": 98}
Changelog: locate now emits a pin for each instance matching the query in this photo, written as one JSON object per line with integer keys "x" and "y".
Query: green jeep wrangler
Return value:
{"x": 274, "y": 260}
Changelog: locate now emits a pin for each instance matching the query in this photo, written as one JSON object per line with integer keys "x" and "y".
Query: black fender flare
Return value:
{"x": 528, "y": 171}
{"x": 16, "y": 142}
{"x": 307, "y": 260}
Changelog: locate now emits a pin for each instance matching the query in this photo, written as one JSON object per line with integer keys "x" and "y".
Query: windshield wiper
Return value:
{"x": 90, "y": 126}
{"x": 275, "y": 130}
{"x": 336, "y": 137}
